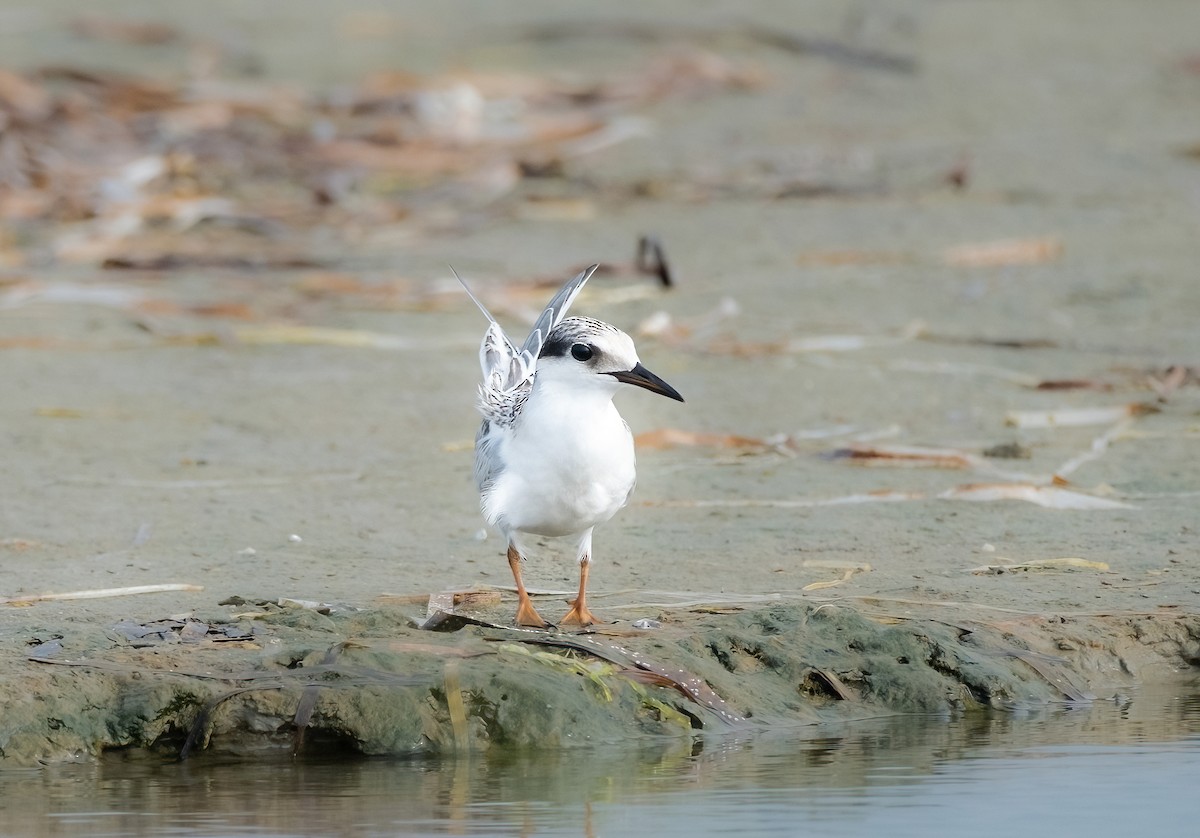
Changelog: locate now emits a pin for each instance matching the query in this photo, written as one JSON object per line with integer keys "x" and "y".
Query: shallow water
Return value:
{"x": 1114, "y": 768}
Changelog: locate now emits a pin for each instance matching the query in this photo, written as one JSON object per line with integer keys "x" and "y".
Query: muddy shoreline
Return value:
{"x": 371, "y": 683}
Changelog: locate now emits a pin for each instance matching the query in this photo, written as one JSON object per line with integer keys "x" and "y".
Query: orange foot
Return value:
{"x": 528, "y": 616}
{"x": 580, "y": 615}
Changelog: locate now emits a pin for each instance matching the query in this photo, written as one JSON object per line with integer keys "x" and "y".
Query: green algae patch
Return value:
{"x": 370, "y": 682}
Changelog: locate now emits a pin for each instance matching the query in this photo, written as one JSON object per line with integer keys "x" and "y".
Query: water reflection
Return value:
{"x": 889, "y": 774}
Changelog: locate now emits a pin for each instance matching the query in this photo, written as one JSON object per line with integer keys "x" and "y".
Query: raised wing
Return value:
{"x": 555, "y": 311}
{"x": 508, "y": 371}
{"x": 497, "y": 353}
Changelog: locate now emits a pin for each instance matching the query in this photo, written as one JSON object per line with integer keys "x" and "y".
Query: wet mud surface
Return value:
{"x": 934, "y": 319}
{"x": 372, "y": 683}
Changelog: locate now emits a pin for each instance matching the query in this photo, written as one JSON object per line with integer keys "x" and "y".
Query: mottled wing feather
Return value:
{"x": 497, "y": 356}
{"x": 508, "y": 371}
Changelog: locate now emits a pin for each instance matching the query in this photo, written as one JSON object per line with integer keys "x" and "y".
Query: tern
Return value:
{"x": 553, "y": 456}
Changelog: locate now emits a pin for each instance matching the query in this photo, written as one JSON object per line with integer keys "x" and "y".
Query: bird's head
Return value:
{"x": 583, "y": 353}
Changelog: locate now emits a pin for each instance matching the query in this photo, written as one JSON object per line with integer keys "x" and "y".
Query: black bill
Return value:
{"x": 639, "y": 376}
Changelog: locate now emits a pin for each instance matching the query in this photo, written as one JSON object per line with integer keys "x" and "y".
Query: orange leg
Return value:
{"x": 527, "y": 615}
{"x": 579, "y": 612}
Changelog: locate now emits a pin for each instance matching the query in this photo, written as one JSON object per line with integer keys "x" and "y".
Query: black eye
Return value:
{"x": 581, "y": 352}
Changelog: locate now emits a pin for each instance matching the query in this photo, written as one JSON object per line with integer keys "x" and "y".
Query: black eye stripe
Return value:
{"x": 581, "y": 352}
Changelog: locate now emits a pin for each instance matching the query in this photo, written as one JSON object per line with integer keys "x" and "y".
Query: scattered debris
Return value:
{"x": 1051, "y": 497}
{"x": 137, "y": 635}
{"x": 19, "y": 544}
{"x": 45, "y": 649}
{"x": 910, "y": 456}
{"x": 1004, "y": 253}
{"x": 1074, "y": 417}
{"x": 253, "y": 168}
{"x": 1174, "y": 378}
{"x": 60, "y": 413}
{"x": 1007, "y": 451}
{"x": 1073, "y": 384}
{"x": 687, "y": 683}
{"x": 663, "y": 438}
{"x": 101, "y": 593}
{"x": 1039, "y": 564}
{"x": 849, "y": 569}
{"x": 651, "y": 260}
{"x": 314, "y": 605}
{"x": 879, "y": 496}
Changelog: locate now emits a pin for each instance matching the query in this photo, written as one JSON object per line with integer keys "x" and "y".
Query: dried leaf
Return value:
{"x": 687, "y": 683}
{"x": 1073, "y": 384}
{"x": 1044, "y": 665}
{"x": 1174, "y": 378}
{"x": 846, "y": 575}
{"x": 1007, "y": 451}
{"x": 227, "y": 261}
{"x": 403, "y": 599}
{"x": 535, "y": 208}
{"x": 906, "y": 456}
{"x": 1004, "y": 253}
{"x": 849, "y": 569}
{"x": 475, "y": 599}
{"x": 1051, "y": 497}
{"x": 19, "y": 544}
{"x": 1040, "y": 564}
{"x": 878, "y": 496}
{"x": 141, "y": 32}
{"x": 60, "y": 412}
{"x": 312, "y": 605}
{"x": 226, "y": 310}
{"x": 100, "y": 593}
{"x": 1073, "y": 417}
{"x": 663, "y": 438}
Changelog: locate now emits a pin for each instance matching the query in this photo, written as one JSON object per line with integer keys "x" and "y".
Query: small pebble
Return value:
{"x": 295, "y": 539}
{"x": 988, "y": 548}
{"x": 646, "y": 624}
{"x": 249, "y": 551}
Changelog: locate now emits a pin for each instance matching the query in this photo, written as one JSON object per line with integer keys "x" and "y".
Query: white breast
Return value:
{"x": 568, "y": 465}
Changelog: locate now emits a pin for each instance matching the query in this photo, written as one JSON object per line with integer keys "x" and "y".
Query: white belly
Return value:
{"x": 561, "y": 478}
